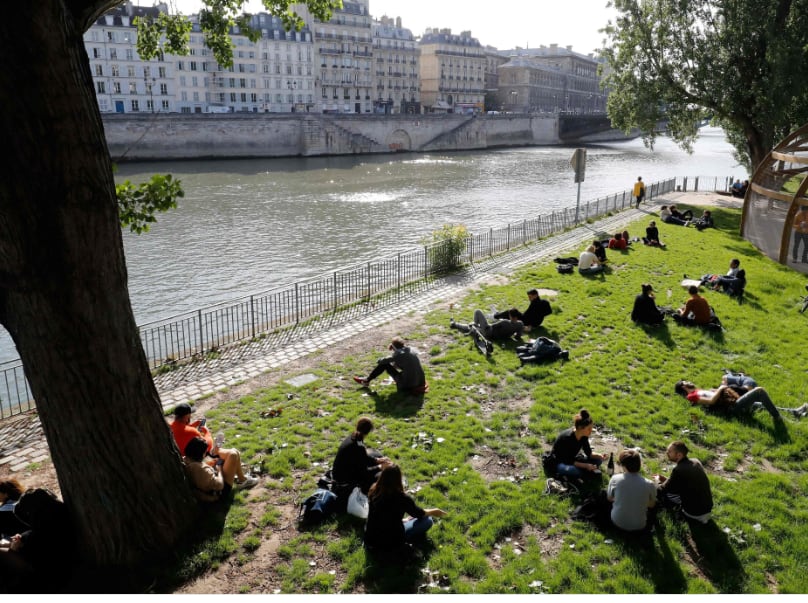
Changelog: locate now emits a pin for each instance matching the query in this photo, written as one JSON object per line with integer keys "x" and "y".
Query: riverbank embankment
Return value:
{"x": 244, "y": 368}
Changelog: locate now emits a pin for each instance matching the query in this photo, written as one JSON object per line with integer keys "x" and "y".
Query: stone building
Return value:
{"x": 493, "y": 60}
{"x": 550, "y": 79}
{"x": 396, "y": 57}
{"x": 344, "y": 46}
{"x": 452, "y": 72}
{"x": 123, "y": 82}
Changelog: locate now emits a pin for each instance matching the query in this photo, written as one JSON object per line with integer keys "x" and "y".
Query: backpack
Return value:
{"x": 549, "y": 463}
{"x": 317, "y": 508}
{"x": 565, "y": 268}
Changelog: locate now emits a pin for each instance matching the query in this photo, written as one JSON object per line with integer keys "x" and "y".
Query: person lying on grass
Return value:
{"x": 728, "y": 400}
{"x": 496, "y": 330}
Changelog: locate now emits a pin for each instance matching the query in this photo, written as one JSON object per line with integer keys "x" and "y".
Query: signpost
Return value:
{"x": 578, "y": 164}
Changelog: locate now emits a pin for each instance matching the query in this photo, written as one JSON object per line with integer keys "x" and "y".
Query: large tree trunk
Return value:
{"x": 65, "y": 302}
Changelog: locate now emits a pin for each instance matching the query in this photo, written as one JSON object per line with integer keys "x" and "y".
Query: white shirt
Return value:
{"x": 587, "y": 260}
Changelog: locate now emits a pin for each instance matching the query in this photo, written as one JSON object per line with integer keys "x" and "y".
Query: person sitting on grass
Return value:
{"x": 356, "y": 465}
{"x": 666, "y": 215}
{"x": 617, "y": 242}
{"x": 696, "y": 311}
{"x": 10, "y": 492}
{"x": 626, "y": 238}
{"x": 588, "y": 262}
{"x": 403, "y": 366}
{"x": 184, "y": 431}
{"x": 212, "y": 482}
{"x": 566, "y": 453}
{"x": 728, "y": 400}
{"x": 631, "y": 494}
{"x": 645, "y": 310}
{"x": 495, "y": 331}
{"x": 600, "y": 250}
{"x": 651, "y": 237}
{"x": 705, "y": 221}
{"x": 685, "y": 216}
{"x": 687, "y": 488}
{"x": 385, "y": 532}
{"x": 531, "y": 318}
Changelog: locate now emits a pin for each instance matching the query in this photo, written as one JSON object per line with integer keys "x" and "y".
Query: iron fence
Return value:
{"x": 195, "y": 334}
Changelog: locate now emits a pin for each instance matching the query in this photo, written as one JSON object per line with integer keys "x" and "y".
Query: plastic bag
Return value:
{"x": 358, "y": 504}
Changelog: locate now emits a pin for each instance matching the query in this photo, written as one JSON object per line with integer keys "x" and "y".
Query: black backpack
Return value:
{"x": 317, "y": 508}
{"x": 549, "y": 463}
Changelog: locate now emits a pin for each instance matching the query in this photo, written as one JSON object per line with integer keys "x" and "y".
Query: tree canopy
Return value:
{"x": 741, "y": 63}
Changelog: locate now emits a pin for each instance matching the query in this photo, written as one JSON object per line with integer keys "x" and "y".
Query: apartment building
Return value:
{"x": 452, "y": 72}
{"x": 123, "y": 82}
{"x": 550, "y": 79}
{"x": 396, "y": 57}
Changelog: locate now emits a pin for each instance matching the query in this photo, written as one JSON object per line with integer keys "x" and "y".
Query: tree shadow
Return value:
{"x": 660, "y": 332}
{"x": 712, "y": 552}
{"x": 777, "y": 429}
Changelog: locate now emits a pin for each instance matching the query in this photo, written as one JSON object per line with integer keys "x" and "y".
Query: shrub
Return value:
{"x": 446, "y": 248}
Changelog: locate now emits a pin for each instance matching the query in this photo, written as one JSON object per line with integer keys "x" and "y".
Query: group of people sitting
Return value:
{"x": 696, "y": 310}
{"x": 212, "y": 470}
{"x": 671, "y": 215}
{"x": 354, "y": 466}
{"x": 629, "y": 496}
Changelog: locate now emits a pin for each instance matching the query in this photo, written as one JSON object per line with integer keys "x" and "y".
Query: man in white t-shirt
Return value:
{"x": 588, "y": 262}
{"x": 631, "y": 494}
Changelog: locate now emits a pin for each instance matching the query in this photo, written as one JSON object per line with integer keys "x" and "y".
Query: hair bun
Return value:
{"x": 584, "y": 413}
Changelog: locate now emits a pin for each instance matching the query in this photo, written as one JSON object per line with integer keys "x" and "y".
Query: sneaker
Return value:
{"x": 361, "y": 381}
{"x": 801, "y": 411}
{"x": 249, "y": 482}
{"x": 489, "y": 348}
{"x": 565, "y": 355}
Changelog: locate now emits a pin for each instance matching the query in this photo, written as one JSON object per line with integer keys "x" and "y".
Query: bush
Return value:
{"x": 446, "y": 248}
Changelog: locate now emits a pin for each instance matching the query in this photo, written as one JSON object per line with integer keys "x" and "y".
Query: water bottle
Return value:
{"x": 691, "y": 315}
{"x": 219, "y": 440}
{"x": 610, "y": 465}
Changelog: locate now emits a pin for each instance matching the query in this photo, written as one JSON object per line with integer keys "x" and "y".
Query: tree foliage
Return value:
{"x": 741, "y": 63}
{"x": 137, "y": 204}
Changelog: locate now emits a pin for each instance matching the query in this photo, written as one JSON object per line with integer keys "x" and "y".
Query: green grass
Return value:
{"x": 472, "y": 445}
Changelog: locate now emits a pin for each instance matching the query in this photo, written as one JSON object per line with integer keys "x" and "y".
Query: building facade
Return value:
{"x": 396, "y": 58}
{"x": 550, "y": 79}
{"x": 452, "y": 72}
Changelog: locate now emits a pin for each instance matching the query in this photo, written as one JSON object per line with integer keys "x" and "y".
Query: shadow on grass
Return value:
{"x": 397, "y": 404}
{"x": 713, "y": 554}
{"x": 399, "y": 573}
{"x": 660, "y": 332}
{"x": 776, "y": 429}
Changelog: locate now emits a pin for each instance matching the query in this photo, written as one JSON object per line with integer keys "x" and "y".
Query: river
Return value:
{"x": 246, "y": 226}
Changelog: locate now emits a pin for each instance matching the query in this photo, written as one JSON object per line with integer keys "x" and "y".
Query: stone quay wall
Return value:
{"x": 161, "y": 136}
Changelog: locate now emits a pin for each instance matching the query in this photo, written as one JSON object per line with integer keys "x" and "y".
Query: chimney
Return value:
{"x": 398, "y": 22}
{"x": 569, "y": 47}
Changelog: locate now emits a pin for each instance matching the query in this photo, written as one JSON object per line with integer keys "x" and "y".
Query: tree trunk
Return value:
{"x": 65, "y": 302}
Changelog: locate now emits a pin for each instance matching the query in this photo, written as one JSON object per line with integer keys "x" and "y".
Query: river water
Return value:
{"x": 246, "y": 226}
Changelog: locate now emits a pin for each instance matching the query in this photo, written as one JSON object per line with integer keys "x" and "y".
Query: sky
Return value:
{"x": 525, "y": 23}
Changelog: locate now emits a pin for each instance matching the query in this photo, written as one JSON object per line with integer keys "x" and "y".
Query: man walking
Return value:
{"x": 639, "y": 191}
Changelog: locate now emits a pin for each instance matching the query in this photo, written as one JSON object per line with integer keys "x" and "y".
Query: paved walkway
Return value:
{"x": 22, "y": 441}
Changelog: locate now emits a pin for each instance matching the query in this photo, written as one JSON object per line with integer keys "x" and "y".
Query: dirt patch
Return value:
{"x": 517, "y": 541}
{"x": 496, "y": 466}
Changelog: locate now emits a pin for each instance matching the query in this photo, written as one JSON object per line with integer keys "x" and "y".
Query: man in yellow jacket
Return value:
{"x": 639, "y": 190}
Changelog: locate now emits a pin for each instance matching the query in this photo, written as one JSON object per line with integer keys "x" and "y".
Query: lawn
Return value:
{"x": 472, "y": 445}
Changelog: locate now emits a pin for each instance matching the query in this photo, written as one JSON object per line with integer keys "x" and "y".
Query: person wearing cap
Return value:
{"x": 403, "y": 366}
{"x": 184, "y": 432}
{"x": 645, "y": 309}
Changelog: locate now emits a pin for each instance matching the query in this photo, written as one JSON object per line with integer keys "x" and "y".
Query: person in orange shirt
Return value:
{"x": 696, "y": 310}
{"x": 229, "y": 458}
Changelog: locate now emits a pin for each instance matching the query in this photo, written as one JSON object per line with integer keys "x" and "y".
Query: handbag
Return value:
{"x": 358, "y": 505}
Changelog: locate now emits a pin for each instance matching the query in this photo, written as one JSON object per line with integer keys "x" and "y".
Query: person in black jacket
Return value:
{"x": 385, "y": 531}
{"x": 645, "y": 309}
{"x": 572, "y": 455}
{"x": 687, "y": 486}
{"x": 355, "y": 464}
{"x": 402, "y": 365}
{"x": 652, "y": 235}
{"x": 537, "y": 309}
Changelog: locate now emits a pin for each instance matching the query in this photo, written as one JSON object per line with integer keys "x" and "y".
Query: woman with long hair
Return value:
{"x": 571, "y": 454}
{"x": 386, "y": 529}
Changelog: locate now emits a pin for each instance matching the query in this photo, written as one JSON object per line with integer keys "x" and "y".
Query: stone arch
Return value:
{"x": 399, "y": 140}
{"x": 779, "y": 188}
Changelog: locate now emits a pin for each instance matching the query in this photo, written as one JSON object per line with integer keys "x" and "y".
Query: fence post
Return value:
{"x": 297, "y": 303}
{"x": 398, "y": 275}
{"x": 252, "y": 315}
{"x": 201, "y": 332}
{"x": 490, "y": 242}
{"x": 524, "y": 232}
{"x": 426, "y": 262}
{"x": 368, "y": 282}
{"x": 508, "y": 247}
{"x": 336, "y": 296}
{"x": 696, "y": 185}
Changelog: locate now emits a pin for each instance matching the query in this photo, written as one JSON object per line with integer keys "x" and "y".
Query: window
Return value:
{"x": 161, "y": 72}
{"x": 116, "y": 87}
{"x": 193, "y": 66}
{"x": 99, "y": 70}
{"x": 130, "y": 54}
{"x": 135, "y": 106}
{"x": 113, "y": 54}
{"x": 132, "y": 88}
{"x": 130, "y": 71}
{"x": 100, "y": 87}
{"x": 163, "y": 89}
{"x": 97, "y": 53}
{"x": 164, "y": 105}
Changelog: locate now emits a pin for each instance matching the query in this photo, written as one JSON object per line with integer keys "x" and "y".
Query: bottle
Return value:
{"x": 610, "y": 465}
{"x": 219, "y": 439}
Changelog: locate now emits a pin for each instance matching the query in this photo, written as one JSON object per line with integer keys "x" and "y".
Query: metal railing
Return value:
{"x": 381, "y": 282}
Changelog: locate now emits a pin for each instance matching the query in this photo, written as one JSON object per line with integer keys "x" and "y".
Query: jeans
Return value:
{"x": 741, "y": 380}
{"x": 755, "y": 400}
{"x": 415, "y": 528}
{"x": 573, "y": 471}
{"x": 800, "y": 237}
{"x": 675, "y": 220}
{"x": 591, "y": 269}
{"x": 482, "y": 323}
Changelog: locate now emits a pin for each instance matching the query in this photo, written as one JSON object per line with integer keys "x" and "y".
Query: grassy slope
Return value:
{"x": 504, "y": 535}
